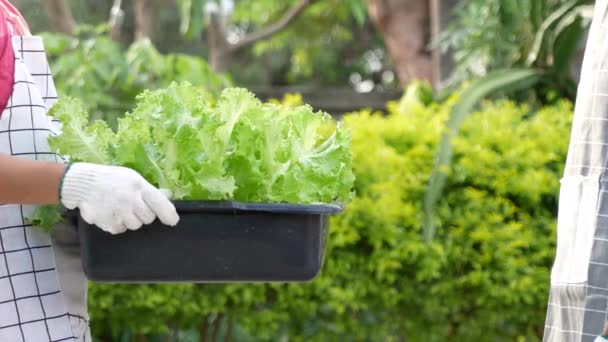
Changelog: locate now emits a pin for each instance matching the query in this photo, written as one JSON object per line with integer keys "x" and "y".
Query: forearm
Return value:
{"x": 29, "y": 182}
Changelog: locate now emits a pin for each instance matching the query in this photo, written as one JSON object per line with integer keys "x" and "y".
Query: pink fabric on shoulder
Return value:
{"x": 12, "y": 14}
{"x": 7, "y": 62}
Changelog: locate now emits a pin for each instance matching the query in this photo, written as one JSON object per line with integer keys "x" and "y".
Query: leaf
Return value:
{"x": 544, "y": 31}
{"x": 78, "y": 141}
{"x": 359, "y": 11}
{"x": 197, "y": 16}
{"x": 46, "y": 217}
{"x": 235, "y": 147}
{"x": 537, "y": 13}
{"x": 568, "y": 34}
{"x": 192, "y": 17}
{"x": 184, "y": 12}
{"x": 56, "y": 43}
{"x": 416, "y": 93}
{"x": 502, "y": 80}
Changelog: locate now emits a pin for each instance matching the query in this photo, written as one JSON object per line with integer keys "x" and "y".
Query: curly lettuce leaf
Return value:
{"x": 232, "y": 147}
{"x": 171, "y": 137}
{"x": 78, "y": 140}
{"x": 46, "y": 217}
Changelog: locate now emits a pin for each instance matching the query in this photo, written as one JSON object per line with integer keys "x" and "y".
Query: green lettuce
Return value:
{"x": 234, "y": 147}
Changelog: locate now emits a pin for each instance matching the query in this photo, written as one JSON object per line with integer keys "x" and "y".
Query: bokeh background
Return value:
{"x": 460, "y": 113}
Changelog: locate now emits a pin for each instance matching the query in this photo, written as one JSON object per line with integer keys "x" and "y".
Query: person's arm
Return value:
{"x": 25, "y": 181}
{"x": 113, "y": 198}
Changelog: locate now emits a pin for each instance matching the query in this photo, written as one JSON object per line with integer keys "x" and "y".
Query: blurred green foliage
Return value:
{"x": 108, "y": 77}
{"x": 330, "y": 41}
{"x": 523, "y": 49}
{"x": 315, "y": 39}
{"x": 548, "y": 35}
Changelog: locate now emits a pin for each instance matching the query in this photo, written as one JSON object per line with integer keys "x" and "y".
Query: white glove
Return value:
{"x": 114, "y": 198}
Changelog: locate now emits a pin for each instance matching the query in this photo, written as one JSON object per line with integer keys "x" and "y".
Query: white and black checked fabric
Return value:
{"x": 578, "y": 301}
{"x": 33, "y": 306}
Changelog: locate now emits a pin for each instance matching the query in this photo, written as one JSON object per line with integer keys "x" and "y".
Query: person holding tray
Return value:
{"x": 42, "y": 285}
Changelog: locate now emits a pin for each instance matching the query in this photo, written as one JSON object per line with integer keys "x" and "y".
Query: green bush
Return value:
{"x": 491, "y": 35}
{"x": 107, "y": 76}
{"x": 484, "y": 278}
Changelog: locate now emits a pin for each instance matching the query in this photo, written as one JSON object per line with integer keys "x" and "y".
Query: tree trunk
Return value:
{"x": 228, "y": 336}
{"x": 203, "y": 329}
{"x": 219, "y": 52}
{"x": 60, "y": 15}
{"x": 145, "y": 15}
{"x": 217, "y": 325}
{"x": 405, "y": 27}
{"x": 116, "y": 20}
{"x": 443, "y": 61}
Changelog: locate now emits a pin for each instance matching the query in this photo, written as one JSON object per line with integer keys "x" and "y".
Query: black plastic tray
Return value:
{"x": 213, "y": 242}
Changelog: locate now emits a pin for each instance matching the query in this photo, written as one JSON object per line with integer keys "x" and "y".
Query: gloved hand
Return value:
{"x": 114, "y": 198}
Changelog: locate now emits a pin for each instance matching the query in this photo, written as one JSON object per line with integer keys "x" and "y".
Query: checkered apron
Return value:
{"x": 578, "y": 300}
{"x": 42, "y": 288}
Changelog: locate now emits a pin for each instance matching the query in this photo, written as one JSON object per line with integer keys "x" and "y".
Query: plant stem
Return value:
{"x": 228, "y": 335}
{"x": 217, "y": 325}
{"x": 203, "y": 328}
